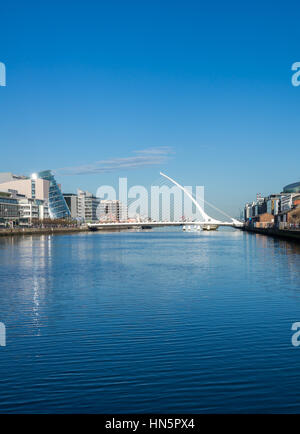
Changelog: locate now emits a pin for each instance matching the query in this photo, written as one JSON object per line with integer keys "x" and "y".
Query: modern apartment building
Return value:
{"x": 112, "y": 211}
{"x": 273, "y": 204}
{"x": 32, "y": 209}
{"x": 87, "y": 205}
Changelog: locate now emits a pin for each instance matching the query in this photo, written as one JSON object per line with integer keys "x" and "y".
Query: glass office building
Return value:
{"x": 58, "y": 208}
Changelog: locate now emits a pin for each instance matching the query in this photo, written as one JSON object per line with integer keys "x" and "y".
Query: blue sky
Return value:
{"x": 200, "y": 91}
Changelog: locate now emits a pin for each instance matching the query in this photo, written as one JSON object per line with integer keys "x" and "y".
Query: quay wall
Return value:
{"x": 39, "y": 231}
{"x": 273, "y": 232}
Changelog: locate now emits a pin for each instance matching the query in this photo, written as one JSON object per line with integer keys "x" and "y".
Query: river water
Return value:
{"x": 150, "y": 321}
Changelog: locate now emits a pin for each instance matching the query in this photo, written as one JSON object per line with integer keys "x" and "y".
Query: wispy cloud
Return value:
{"x": 162, "y": 150}
{"x": 141, "y": 158}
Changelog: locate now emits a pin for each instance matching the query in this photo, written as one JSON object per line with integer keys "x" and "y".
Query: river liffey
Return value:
{"x": 151, "y": 321}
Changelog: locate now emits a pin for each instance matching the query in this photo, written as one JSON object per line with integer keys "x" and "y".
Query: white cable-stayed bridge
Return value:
{"x": 206, "y": 223}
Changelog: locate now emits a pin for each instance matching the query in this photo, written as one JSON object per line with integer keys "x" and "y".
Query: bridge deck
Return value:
{"x": 156, "y": 224}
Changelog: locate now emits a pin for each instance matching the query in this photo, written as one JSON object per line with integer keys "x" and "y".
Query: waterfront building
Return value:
{"x": 87, "y": 205}
{"x": 290, "y": 197}
{"x": 9, "y": 209}
{"x": 273, "y": 204}
{"x": 112, "y": 211}
{"x": 264, "y": 205}
{"x": 289, "y": 201}
{"x": 57, "y": 205}
{"x": 264, "y": 220}
{"x": 286, "y": 202}
{"x": 29, "y": 210}
{"x": 252, "y": 210}
{"x": 72, "y": 202}
{"x": 32, "y": 188}
{"x": 8, "y": 176}
{"x": 247, "y": 211}
{"x": 290, "y": 207}
{"x": 276, "y": 208}
{"x": 260, "y": 206}
{"x": 82, "y": 205}
{"x": 43, "y": 209}
{"x": 292, "y": 188}
{"x": 32, "y": 209}
{"x": 296, "y": 201}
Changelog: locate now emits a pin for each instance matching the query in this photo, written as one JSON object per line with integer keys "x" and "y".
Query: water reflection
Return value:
{"x": 29, "y": 259}
{"x": 106, "y": 322}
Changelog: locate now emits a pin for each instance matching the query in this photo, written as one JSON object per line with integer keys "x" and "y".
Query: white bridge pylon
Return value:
{"x": 208, "y": 223}
{"x": 207, "y": 219}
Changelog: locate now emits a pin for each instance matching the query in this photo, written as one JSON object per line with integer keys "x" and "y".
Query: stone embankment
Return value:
{"x": 40, "y": 231}
{"x": 291, "y": 234}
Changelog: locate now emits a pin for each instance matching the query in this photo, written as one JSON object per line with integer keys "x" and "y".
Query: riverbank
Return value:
{"x": 52, "y": 231}
{"x": 278, "y": 233}
{"x": 40, "y": 231}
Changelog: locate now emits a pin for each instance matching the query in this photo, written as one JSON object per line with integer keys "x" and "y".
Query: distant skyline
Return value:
{"x": 203, "y": 92}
